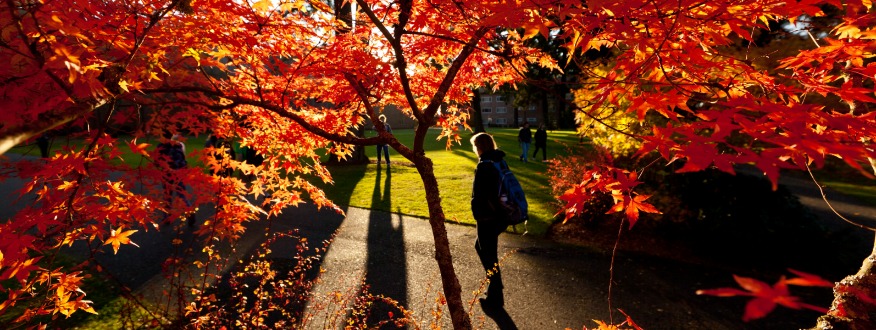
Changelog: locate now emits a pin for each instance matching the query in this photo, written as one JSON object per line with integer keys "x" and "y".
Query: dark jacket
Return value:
{"x": 172, "y": 154}
{"x": 485, "y": 204}
{"x": 525, "y": 135}
{"x": 540, "y": 137}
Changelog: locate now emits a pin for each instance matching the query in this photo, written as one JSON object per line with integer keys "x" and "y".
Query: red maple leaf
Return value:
{"x": 765, "y": 299}
{"x": 632, "y": 206}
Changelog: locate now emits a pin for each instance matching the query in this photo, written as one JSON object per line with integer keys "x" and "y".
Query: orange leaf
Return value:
{"x": 139, "y": 148}
{"x": 119, "y": 237}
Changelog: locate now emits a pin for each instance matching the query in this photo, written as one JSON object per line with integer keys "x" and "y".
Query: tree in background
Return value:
{"x": 723, "y": 96}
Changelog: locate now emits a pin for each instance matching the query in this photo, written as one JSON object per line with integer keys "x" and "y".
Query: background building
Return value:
{"x": 497, "y": 110}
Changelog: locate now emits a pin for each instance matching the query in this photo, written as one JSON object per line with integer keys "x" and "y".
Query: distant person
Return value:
{"x": 541, "y": 142}
{"x": 43, "y": 143}
{"x": 172, "y": 154}
{"x": 215, "y": 142}
{"x": 254, "y": 158}
{"x": 383, "y": 147}
{"x": 489, "y": 214}
{"x": 524, "y": 137}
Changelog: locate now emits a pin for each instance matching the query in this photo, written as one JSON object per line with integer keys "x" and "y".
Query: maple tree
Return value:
{"x": 290, "y": 78}
{"x": 698, "y": 67}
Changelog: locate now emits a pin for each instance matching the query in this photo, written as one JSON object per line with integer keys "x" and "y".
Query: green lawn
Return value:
{"x": 840, "y": 177}
{"x": 58, "y": 144}
{"x": 400, "y": 189}
{"x": 366, "y": 187}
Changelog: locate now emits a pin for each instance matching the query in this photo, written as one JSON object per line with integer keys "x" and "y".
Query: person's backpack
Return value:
{"x": 511, "y": 195}
{"x": 175, "y": 156}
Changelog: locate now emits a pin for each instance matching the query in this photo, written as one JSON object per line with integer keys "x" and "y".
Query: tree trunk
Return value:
{"x": 449, "y": 280}
{"x": 853, "y": 306}
{"x": 517, "y": 117}
{"x": 477, "y": 119}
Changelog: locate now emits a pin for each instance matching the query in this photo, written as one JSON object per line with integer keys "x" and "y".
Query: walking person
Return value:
{"x": 488, "y": 214}
{"x": 524, "y": 137}
{"x": 43, "y": 143}
{"x": 383, "y": 147}
{"x": 540, "y": 142}
{"x": 172, "y": 153}
{"x": 227, "y": 152}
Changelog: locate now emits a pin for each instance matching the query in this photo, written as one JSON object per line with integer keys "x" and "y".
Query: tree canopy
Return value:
{"x": 290, "y": 78}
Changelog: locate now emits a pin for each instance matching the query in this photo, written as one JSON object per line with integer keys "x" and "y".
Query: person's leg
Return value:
{"x": 379, "y": 149}
{"x": 536, "y": 151}
{"x": 543, "y": 152}
{"x": 181, "y": 192}
{"x": 43, "y": 143}
{"x": 525, "y": 151}
{"x": 487, "y": 245}
{"x": 386, "y": 153}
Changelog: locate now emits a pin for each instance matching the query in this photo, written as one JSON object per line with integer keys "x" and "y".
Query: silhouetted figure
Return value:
{"x": 215, "y": 142}
{"x": 43, "y": 143}
{"x": 524, "y": 137}
{"x": 383, "y": 147}
{"x": 540, "y": 142}
{"x": 173, "y": 155}
{"x": 489, "y": 214}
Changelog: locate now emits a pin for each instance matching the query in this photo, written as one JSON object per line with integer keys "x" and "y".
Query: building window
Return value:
{"x": 500, "y": 99}
{"x": 486, "y": 99}
{"x": 532, "y": 107}
{"x": 501, "y": 110}
{"x": 486, "y": 110}
{"x": 531, "y": 120}
{"x": 501, "y": 121}
{"x": 568, "y": 96}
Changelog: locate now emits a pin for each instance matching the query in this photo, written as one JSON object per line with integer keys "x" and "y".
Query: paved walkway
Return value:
{"x": 548, "y": 285}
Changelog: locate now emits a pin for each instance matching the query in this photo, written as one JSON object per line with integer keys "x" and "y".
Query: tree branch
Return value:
{"x": 400, "y": 62}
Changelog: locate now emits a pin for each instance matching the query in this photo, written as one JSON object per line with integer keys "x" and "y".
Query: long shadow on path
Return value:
{"x": 386, "y": 266}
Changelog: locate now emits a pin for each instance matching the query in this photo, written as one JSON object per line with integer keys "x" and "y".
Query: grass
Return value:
{"x": 103, "y": 292}
{"x": 841, "y": 177}
{"x": 400, "y": 188}
{"x": 60, "y": 143}
{"x": 865, "y": 193}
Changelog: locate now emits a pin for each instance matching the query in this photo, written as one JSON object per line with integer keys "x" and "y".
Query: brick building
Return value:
{"x": 496, "y": 111}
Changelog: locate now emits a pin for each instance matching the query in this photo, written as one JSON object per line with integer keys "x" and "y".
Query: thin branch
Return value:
{"x": 611, "y": 270}
{"x": 824, "y": 197}
{"x": 400, "y": 61}
{"x": 461, "y": 42}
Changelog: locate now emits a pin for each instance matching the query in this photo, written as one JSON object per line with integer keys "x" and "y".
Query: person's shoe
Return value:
{"x": 494, "y": 301}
